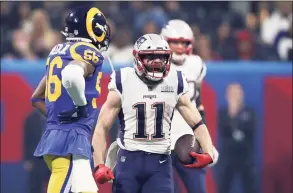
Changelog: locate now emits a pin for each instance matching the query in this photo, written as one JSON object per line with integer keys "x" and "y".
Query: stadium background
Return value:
{"x": 29, "y": 30}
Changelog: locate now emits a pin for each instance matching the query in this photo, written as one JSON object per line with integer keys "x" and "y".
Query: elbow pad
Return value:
{"x": 74, "y": 82}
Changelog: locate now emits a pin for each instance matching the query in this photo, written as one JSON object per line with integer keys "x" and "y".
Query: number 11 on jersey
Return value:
{"x": 141, "y": 121}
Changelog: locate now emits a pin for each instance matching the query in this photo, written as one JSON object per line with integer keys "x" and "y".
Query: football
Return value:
{"x": 184, "y": 145}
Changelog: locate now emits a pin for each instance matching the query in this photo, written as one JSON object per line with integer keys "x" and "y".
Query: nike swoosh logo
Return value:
{"x": 162, "y": 161}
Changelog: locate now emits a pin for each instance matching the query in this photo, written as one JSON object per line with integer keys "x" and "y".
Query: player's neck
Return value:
{"x": 150, "y": 84}
{"x": 178, "y": 63}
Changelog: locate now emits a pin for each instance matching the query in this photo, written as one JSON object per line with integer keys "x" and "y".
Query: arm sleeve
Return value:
{"x": 74, "y": 82}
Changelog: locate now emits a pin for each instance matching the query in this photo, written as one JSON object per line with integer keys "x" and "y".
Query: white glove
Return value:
{"x": 215, "y": 157}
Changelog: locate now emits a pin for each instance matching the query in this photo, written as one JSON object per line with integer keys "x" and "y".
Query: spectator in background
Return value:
{"x": 262, "y": 51}
{"x": 263, "y": 11}
{"x": 116, "y": 9}
{"x": 21, "y": 37}
{"x": 121, "y": 47}
{"x": 7, "y": 9}
{"x": 21, "y": 42}
{"x": 251, "y": 24}
{"x": 43, "y": 35}
{"x": 283, "y": 45}
{"x": 174, "y": 11}
{"x": 204, "y": 48}
{"x": 280, "y": 20}
{"x": 38, "y": 173}
{"x": 196, "y": 30}
{"x": 247, "y": 47}
{"x": 223, "y": 42}
{"x": 24, "y": 36}
{"x": 56, "y": 9}
{"x": 35, "y": 40}
{"x": 24, "y": 10}
{"x": 150, "y": 27}
{"x": 143, "y": 11}
{"x": 8, "y": 24}
{"x": 237, "y": 127}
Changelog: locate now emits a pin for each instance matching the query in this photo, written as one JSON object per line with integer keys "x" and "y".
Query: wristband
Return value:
{"x": 33, "y": 100}
{"x": 197, "y": 125}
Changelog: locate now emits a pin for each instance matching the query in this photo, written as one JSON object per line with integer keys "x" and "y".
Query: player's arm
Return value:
{"x": 73, "y": 80}
{"x": 107, "y": 116}
{"x": 191, "y": 115}
{"x": 38, "y": 97}
{"x": 199, "y": 104}
{"x": 201, "y": 111}
{"x": 85, "y": 58}
{"x": 198, "y": 87}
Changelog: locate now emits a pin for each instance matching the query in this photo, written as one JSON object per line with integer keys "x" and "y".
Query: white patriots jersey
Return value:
{"x": 195, "y": 70}
{"x": 146, "y": 113}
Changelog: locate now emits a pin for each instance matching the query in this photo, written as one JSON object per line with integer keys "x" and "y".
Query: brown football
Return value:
{"x": 184, "y": 145}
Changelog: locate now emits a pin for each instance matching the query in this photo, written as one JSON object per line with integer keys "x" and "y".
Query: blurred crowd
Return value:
{"x": 223, "y": 30}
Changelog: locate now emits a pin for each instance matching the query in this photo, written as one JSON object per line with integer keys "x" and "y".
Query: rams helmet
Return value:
{"x": 89, "y": 25}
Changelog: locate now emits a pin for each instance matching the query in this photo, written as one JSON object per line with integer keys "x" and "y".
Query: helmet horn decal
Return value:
{"x": 89, "y": 27}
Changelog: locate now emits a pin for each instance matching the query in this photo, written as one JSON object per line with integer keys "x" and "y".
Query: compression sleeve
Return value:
{"x": 74, "y": 82}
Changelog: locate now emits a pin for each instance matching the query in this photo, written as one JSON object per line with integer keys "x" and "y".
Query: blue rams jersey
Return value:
{"x": 57, "y": 98}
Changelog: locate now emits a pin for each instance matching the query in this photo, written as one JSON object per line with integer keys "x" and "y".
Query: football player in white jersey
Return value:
{"x": 180, "y": 38}
{"x": 144, "y": 98}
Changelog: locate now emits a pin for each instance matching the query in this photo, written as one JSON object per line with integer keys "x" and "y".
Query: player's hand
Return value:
{"x": 102, "y": 174}
{"x": 72, "y": 115}
{"x": 201, "y": 160}
{"x": 215, "y": 157}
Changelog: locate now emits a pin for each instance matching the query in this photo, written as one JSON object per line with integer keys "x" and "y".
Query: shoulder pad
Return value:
{"x": 126, "y": 70}
{"x": 194, "y": 59}
{"x": 198, "y": 66}
{"x": 87, "y": 53}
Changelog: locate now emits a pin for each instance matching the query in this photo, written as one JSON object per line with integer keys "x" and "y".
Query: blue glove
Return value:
{"x": 72, "y": 115}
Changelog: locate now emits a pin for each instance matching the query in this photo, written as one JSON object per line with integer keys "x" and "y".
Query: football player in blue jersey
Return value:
{"x": 67, "y": 96}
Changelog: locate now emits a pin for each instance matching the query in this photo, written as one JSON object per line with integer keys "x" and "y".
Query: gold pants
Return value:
{"x": 60, "y": 168}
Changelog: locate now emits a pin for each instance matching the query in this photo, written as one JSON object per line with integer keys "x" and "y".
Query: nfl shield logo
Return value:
{"x": 140, "y": 41}
{"x": 123, "y": 158}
